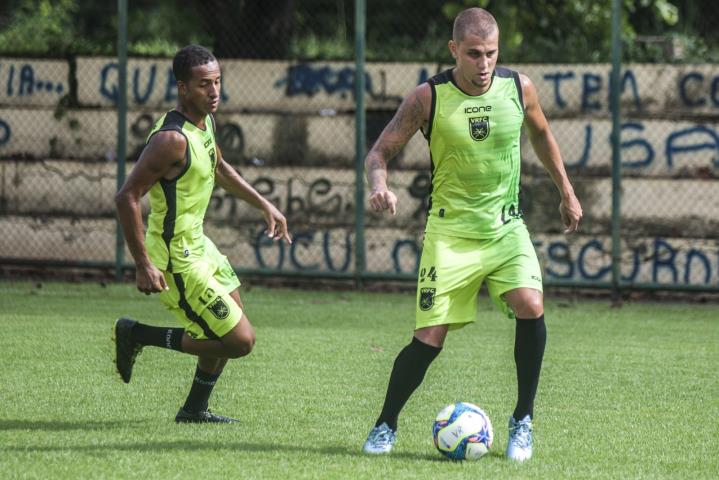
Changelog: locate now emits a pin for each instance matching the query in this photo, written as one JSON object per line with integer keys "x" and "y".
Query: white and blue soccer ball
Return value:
{"x": 463, "y": 431}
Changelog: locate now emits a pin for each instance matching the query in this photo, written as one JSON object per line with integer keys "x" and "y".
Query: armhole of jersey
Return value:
{"x": 518, "y": 84}
{"x": 188, "y": 157}
{"x": 430, "y": 121}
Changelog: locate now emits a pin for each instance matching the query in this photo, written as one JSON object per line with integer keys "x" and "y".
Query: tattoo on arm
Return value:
{"x": 408, "y": 119}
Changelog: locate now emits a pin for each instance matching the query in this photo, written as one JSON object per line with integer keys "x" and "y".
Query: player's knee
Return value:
{"x": 242, "y": 345}
{"x": 531, "y": 309}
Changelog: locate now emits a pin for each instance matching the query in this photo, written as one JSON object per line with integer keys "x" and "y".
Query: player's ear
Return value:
{"x": 452, "y": 48}
{"x": 181, "y": 88}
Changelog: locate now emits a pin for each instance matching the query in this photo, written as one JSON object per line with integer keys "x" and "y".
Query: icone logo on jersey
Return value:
{"x": 478, "y": 109}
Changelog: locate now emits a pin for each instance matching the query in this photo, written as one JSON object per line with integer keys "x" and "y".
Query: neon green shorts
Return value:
{"x": 452, "y": 270}
{"x": 200, "y": 296}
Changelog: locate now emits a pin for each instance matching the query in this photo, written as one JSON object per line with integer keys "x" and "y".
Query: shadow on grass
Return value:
{"x": 196, "y": 446}
{"x": 57, "y": 426}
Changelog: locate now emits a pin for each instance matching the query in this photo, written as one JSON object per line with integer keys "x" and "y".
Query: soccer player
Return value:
{"x": 179, "y": 167}
{"x": 472, "y": 116}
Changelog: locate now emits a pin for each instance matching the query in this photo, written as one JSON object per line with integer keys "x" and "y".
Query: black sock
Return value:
{"x": 529, "y": 342}
{"x": 200, "y": 391}
{"x": 407, "y": 374}
{"x": 158, "y": 336}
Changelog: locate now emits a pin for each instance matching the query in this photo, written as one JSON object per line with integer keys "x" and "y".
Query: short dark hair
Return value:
{"x": 190, "y": 56}
{"x": 476, "y": 21}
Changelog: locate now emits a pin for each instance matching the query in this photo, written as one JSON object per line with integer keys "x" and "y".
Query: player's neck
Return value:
{"x": 193, "y": 115}
{"x": 468, "y": 87}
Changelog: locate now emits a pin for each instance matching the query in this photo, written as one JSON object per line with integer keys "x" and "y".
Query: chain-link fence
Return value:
{"x": 287, "y": 122}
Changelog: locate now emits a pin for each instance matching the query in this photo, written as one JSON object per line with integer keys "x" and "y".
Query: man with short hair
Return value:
{"x": 179, "y": 167}
{"x": 472, "y": 117}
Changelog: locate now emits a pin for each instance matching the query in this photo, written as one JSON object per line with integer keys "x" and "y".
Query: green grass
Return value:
{"x": 625, "y": 393}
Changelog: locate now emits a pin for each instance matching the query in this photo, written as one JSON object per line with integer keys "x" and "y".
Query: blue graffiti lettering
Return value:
{"x": 27, "y": 80}
{"x": 594, "y": 245}
{"x": 635, "y": 266}
{"x": 141, "y": 99}
{"x": 637, "y": 142}
{"x": 672, "y": 149}
{"x": 629, "y": 77}
{"x": 304, "y": 240}
{"x": 263, "y": 241}
{"x": 5, "y": 132}
{"x": 109, "y": 92}
{"x": 557, "y": 78}
{"x": 559, "y": 252}
{"x": 591, "y": 85}
{"x": 170, "y": 86}
{"x": 691, "y": 76}
{"x": 586, "y": 151}
{"x": 664, "y": 256}
{"x": 328, "y": 258}
{"x": 692, "y": 254}
{"x": 10, "y": 77}
{"x": 305, "y": 80}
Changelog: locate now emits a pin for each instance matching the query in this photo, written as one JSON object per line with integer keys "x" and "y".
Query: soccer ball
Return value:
{"x": 463, "y": 432}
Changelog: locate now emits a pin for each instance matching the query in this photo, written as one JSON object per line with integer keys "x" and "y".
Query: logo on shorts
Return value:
{"x": 219, "y": 308}
{"x": 479, "y": 128}
{"x": 426, "y": 298}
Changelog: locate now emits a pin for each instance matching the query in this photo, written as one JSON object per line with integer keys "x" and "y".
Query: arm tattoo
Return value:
{"x": 408, "y": 118}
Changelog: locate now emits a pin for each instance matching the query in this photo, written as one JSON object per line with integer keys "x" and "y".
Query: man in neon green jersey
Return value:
{"x": 179, "y": 167}
{"x": 472, "y": 116}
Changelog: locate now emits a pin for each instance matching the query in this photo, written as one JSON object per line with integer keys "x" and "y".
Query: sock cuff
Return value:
{"x": 205, "y": 378}
{"x": 425, "y": 348}
{"x": 173, "y": 338}
{"x": 531, "y": 321}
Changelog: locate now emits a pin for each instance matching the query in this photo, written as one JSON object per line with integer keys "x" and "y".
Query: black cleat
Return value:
{"x": 203, "y": 416}
{"x": 126, "y": 350}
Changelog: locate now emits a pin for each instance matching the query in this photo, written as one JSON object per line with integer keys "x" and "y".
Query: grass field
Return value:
{"x": 625, "y": 393}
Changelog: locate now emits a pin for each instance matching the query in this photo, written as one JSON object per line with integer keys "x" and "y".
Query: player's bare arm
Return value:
{"x": 229, "y": 179}
{"x": 411, "y": 115}
{"x": 546, "y": 148}
{"x": 163, "y": 157}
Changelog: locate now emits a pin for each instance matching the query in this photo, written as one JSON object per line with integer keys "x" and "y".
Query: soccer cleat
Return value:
{"x": 519, "y": 447}
{"x": 380, "y": 440}
{"x": 126, "y": 349}
{"x": 203, "y": 416}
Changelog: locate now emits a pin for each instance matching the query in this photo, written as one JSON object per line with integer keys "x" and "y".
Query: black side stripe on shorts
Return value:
{"x": 189, "y": 312}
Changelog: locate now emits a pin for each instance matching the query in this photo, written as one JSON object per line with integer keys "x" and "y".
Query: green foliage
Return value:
{"x": 397, "y": 30}
{"x": 625, "y": 393}
{"x": 39, "y": 27}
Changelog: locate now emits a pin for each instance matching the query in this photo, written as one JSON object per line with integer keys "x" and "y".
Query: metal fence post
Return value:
{"x": 616, "y": 145}
{"x": 360, "y": 131}
{"x": 121, "y": 125}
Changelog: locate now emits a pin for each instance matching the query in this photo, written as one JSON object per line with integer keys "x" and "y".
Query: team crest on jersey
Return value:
{"x": 426, "y": 298}
{"x": 219, "y": 308}
{"x": 479, "y": 128}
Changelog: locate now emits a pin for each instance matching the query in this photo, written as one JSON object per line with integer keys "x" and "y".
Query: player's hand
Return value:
{"x": 383, "y": 199}
{"x": 150, "y": 279}
{"x": 276, "y": 223}
{"x": 571, "y": 212}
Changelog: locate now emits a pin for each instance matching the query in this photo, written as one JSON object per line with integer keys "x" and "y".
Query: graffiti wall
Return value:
{"x": 289, "y": 129}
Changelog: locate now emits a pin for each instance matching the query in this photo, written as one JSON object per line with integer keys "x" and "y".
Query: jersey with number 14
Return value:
{"x": 474, "y": 144}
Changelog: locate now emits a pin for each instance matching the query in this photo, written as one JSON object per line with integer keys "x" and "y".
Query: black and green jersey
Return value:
{"x": 175, "y": 235}
{"x": 474, "y": 144}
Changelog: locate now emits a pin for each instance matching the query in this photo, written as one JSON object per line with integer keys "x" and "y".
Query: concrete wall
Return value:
{"x": 289, "y": 129}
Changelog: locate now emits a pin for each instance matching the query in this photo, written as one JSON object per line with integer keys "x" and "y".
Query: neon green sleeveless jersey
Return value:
{"x": 474, "y": 144}
{"x": 175, "y": 236}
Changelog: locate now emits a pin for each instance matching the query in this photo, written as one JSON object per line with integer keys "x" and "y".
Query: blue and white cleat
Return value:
{"x": 519, "y": 447}
{"x": 380, "y": 440}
